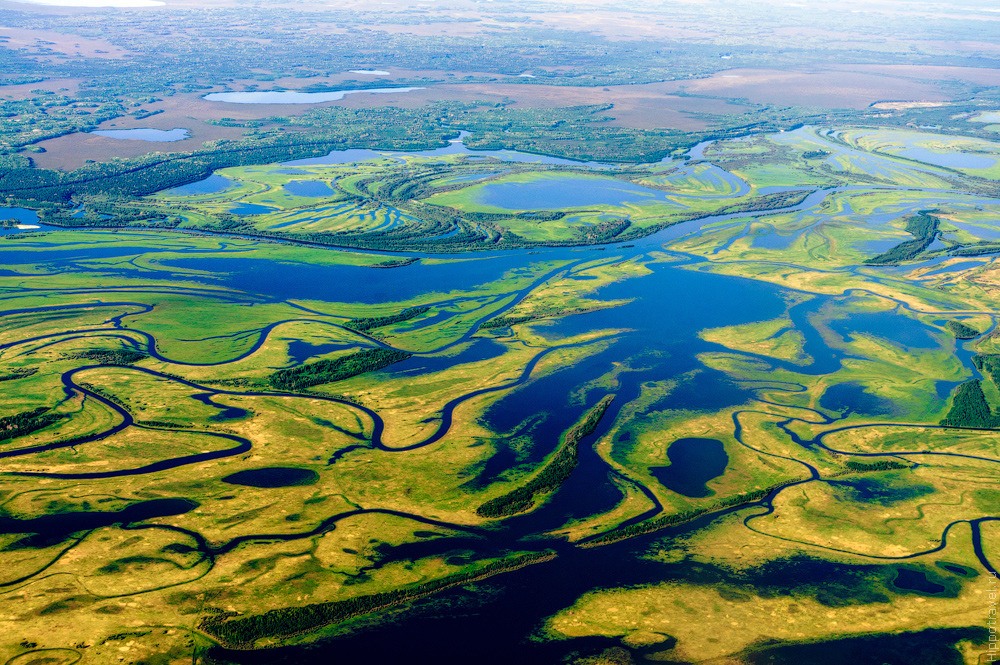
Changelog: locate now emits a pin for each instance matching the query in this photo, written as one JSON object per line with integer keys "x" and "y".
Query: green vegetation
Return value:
{"x": 969, "y": 408}
{"x": 505, "y": 322}
{"x": 21, "y": 424}
{"x": 924, "y": 227}
{"x": 113, "y": 356}
{"x": 825, "y": 422}
{"x": 674, "y": 519}
{"x": 365, "y": 324}
{"x": 337, "y": 369}
{"x": 877, "y": 465}
{"x": 246, "y": 631}
{"x": 961, "y": 330}
{"x": 766, "y": 202}
{"x": 556, "y": 470}
{"x": 20, "y": 373}
{"x": 989, "y": 364}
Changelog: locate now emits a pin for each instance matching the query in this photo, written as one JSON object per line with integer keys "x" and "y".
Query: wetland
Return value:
{"x": 478, "y": 450}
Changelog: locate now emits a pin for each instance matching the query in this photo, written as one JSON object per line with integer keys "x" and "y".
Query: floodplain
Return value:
{"x": 625, "y": 404}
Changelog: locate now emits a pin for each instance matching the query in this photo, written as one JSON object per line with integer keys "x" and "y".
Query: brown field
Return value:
{"x": 69, "y": 45}
{"x": 187, "y": 111}
{"x": 826, "y": 88}
{"x": 649, "y": 106}
{"x": 62, "y": 86}
{"x": 640, "y": 106}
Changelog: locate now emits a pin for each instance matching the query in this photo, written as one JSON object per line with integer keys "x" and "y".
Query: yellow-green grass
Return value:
{"x": 693, "y": 613}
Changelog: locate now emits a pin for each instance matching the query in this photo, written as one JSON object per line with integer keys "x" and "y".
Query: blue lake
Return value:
{"x": 566, "y": 191}
{"x": 23, "y": 216}
{"x": 853, "y": 397}
{"x": 250, "y": 209}
{"x": 954, "y": 267}
{"x": 213, "y": 184}
{"x": 145, "y": 134}
{"x": 273, "y": 477}
{"x": 310, "y": 188}
{"x": 693, "y": 462}
{"x": 954, "y": 160}
{"x": 896, "y": 328}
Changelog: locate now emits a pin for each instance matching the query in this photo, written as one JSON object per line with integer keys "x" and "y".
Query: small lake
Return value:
{"x": 566, "y": 191}
{"x": 213, "y": 184}
{"x": 272, "y": 477}
{"x": 954, "y": 267}
{"x": 954, "y": 160}
{"x": 27, "y": 220}
{"x": 295, "y": 96}
{"x": 369, "y": 72}
{"x": 309, "y": 188}
{"x": 908, "y": 579}
{"x": 693, "y": 462}
{"x": 250, "y": 209}
{"x": 891, "y": 326}
{"x": 152, "y": 135}
{"x": 853, "y": 398}
{"x": 299, "y": 351}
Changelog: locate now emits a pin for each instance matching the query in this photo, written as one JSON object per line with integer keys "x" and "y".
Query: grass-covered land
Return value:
{"x": 962, "y": 331}
{"x": 441, "y": 402}
{"x": 555, "y": 471}
{"x": 924, "y": 229}
{"x": 336, "y": 369}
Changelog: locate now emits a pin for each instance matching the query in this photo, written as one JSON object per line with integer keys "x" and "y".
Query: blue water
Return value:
{"x": 668, "y": 309}
{"x": 300, "y": 351}
{"x": 472, "y": 177}
{"x": 916, "y": 580}
{"x": 878, "y": 246}
{"x": 954, "y": 267}
{"x": 693, "y": 462}
{"x": 310, "y": 188}
{"x": 853, "y": 397}
{"x": 213, "y": 184}
{"x": 251, "y": 209}
{"x": 23, "y": 216}
{"x": 344, "y": 283}
{"x": 273, "y": 477}
{"x": 892, "y": 326}
{"x": 774, "y": 240}
{"x": 954, "y": 160}
{"x": 20, "y": 255}
{"x": 566, "y": 191}
{"x": 980, "y": 231}
{"x": 477, "y": 351}
{"x": 145, "y": 134}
